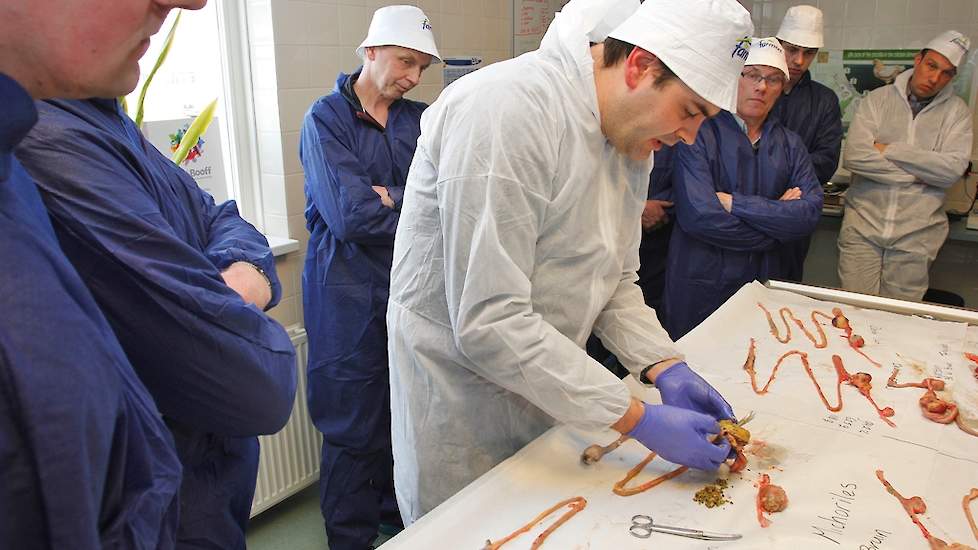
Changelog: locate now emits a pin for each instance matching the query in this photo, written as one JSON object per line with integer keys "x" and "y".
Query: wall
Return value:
{"x": 297, "y": 49}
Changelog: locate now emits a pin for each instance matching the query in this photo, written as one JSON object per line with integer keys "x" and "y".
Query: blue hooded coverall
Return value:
{"x": 812, "y": 111}
{"x": 655, "y": 243}
{"x": 714, "y": 252}
{"x": 345, "y": 283}
{"x": 85, "y": 461}
{"x": 150, "y": 245}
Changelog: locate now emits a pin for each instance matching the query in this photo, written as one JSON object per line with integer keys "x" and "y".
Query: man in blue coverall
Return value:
{"x": 808, "y": 108}
{"x": 743, "y": 189}
{"x": 183, "y": 282}
{"x": 357, "y": 144}
{"x": 656, "y": 231}
{"x": 85, "y": 461}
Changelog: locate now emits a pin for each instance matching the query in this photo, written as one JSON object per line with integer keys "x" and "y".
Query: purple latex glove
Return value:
{"x": 680, "y": 436}
{"x": 681, "y": 387}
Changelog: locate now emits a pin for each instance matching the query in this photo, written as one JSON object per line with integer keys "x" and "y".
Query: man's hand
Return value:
{"x": 726, "y": 200}
{"x": 681, "y": 387}
{"x": 384, "y": 196}
{"x": 881, "y": 147}
{"x": 681, "y": 436}
{"x": 249, "y": 283}
{"x": 654, "y": 214}
{"x": 792, "y": 194}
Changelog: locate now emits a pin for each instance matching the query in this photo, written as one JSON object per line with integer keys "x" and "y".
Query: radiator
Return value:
{"x": 289, "y": 459}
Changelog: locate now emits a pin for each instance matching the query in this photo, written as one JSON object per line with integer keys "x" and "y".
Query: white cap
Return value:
{"x": 952, "y": 45}
{"x": 405, "y": 26}
{"x": 802, "y": 26}
{"x": 705, "y": 42}
{"x": 768, "y": 51}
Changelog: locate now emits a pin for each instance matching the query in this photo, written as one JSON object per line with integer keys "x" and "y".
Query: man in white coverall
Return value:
{"x": 908, "y": 142}
{"x": 519, "y": 234}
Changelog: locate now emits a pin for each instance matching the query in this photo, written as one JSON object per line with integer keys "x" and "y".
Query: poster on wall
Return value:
{"x": 204, "y": 163}
{"x": 457, "y": 67}
{"x": 531, "y": 18}
{"x": 852, "y": 74}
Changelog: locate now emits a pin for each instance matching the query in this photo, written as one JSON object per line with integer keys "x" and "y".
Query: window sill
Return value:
{"x": 282, "y": 245}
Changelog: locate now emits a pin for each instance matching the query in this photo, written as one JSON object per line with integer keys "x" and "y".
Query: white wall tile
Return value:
{"x": 292, "y": 62}
{"x": 324, "y": 65}
{"x": 833, "y": 12}
{"x": 891, "y": 12}
{"x": 834, "y": 38}
{"x": 290, "y": 153}
{"x": 323, "y": 25}
{"x": 858, "y": 37}
{"x": 923, "y": 12}
{"x": 890, "y": 37}
{"x": 860, "y": 13}
{"x": 290, "y": 22}
{"x": 295, "y": 196}
{"x": 957, "y": 12}
{"x": 353, "y": 23}
{"x": 293, "y": 105}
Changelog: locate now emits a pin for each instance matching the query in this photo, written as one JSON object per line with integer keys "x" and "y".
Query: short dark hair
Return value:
{"x": 616, "y": 51}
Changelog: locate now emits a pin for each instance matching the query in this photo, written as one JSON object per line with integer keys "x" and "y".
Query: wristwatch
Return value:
{"x": 643, "y": 377}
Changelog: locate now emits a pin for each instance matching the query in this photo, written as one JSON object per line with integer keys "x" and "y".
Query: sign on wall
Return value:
{"x": 531, "y": 18}
{"x": 852, "y": 74}
{"x": 204, "y": 163}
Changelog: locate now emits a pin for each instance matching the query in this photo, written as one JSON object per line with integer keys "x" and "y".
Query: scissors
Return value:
{"x": 643, "y": 527}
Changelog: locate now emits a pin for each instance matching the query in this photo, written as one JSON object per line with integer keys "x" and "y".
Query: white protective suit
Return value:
{"x": 519, "y": 233}
{"x": 894, "y": 221}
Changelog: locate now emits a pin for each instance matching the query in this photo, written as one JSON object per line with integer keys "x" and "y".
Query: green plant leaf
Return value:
{"x": 159, "y": 62}
{"x": 124, "y": 104}
{"x": 193, "y": 133}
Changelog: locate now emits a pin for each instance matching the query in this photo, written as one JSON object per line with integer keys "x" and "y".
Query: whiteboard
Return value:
{"x": 530, "y": 21}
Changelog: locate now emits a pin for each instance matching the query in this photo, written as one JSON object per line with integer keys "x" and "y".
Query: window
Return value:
{"x": 207, "y": 60}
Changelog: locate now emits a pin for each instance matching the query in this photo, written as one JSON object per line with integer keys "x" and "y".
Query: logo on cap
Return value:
{"x": 761, "y": 44}
{"x": 741, "y": 48}
{"x": 961, "y": 42}
{"x": 425, "y": 25}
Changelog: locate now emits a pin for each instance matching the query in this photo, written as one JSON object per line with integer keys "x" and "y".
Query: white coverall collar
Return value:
{"x": 566, "y": 41}
{"x": 902, "y": 87}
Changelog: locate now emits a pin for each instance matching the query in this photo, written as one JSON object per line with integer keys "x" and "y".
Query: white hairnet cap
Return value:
{"x": 802, "y": 26}
{"x": 405, "y": 26}
{"x": 767, "y": 51}
{"x": 705, "y": 42}
{"x": 952, "y": 45}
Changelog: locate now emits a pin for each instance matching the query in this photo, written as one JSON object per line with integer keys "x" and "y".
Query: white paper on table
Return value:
{"x": 920, "y": 348}
{"x": 821, "y": 514}
{"x": 826, "y": 462}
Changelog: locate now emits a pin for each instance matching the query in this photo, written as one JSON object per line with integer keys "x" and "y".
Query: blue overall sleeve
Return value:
{"x": 785, "y": 220}
{"x": 232, "y": 239}
{"x": 339, "y": 188}
{"x": 209, "y": 359}
{"x": 827, "y": 145}
{"x": 698, "y": 210}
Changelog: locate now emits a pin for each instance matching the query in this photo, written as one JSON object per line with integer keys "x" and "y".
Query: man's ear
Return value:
{"x": 370, "y": 52}
{"x": 639, "y": 65}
